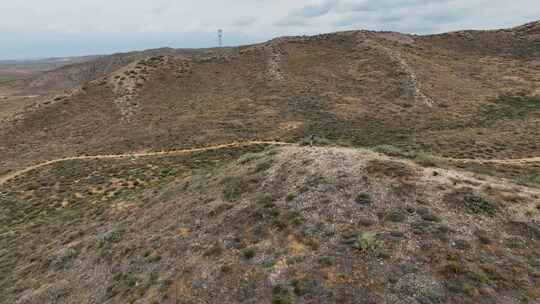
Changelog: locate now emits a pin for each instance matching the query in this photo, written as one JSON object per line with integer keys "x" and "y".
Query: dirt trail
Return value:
{"x": 509, "y": 161}
{"x": 412, "y": 78}
{"x": 10, "y": 176}
{"x": 13, "y": 175}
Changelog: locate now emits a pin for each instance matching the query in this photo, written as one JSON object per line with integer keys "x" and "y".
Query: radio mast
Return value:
{"x": 220, "y": 37}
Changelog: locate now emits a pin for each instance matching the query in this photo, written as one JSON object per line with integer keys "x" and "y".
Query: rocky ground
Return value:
{"x": 267, "y": 225}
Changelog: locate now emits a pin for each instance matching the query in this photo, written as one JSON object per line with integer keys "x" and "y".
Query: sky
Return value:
{"x": 57, "y": 28}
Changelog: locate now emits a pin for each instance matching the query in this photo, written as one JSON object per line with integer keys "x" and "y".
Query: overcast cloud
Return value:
{"x": 37, "y": 28}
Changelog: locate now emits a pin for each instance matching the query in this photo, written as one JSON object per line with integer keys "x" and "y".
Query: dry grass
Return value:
{"x": 354, "y": 95}
{"x": 293, "y": 224}
{"x": 119, "y": 239}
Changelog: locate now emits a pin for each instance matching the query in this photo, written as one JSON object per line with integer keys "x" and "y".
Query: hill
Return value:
{"x": 465, "y": 95}
{"x": 282, "y": 225}
{"x": 187, "y": 176}
{"x": 11, "y": 70}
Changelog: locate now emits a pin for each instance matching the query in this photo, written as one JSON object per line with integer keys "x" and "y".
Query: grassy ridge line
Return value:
{"x": 15, "y": 174}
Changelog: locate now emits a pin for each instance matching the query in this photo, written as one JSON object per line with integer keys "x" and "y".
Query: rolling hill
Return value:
{"x": 188, "y": 176}
{"x": 464, "y": 94}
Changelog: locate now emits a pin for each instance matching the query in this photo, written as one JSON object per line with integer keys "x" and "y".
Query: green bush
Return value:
{"x": 290, "y": 196}
{"x": 391, "y": 151}
{"x": 234, "y": 187}
{"x": 327, "y": 260}
{"x": 364, "y": 199}
{"x": 248, "y": 253}
{"x": 266, "y": 200}
{"x": 112, "y": 237}
{"x": 478, "y": 204}
{"x": 280, "y": 295}
{"x": 264, "y": 165}
{"x": 248, "y": 157}
{"x": 366, "y": 242}
{"x": 426, "y": 160}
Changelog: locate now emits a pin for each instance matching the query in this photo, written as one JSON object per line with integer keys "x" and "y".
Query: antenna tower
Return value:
{"x": 220, "y": 37}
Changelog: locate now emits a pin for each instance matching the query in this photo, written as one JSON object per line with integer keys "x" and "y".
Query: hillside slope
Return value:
{"x": 256, "y": 224}
{"x": 465, "y": 94}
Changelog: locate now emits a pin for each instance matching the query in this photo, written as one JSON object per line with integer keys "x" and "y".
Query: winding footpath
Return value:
{"x": 508, "y": 161}
{"x": 15, "y": 174}
{"x": 10, "y": 176}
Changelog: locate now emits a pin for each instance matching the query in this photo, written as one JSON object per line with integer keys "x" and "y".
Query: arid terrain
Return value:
{"x": 187, "y": 175}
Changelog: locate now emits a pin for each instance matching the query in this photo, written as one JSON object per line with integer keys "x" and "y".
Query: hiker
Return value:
{"x": 311, "y": 140}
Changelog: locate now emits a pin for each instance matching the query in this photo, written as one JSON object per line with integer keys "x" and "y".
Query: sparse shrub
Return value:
{"x": 248, "y": 253}
{"x": 248, "y": 157}
{"x": 273, "y": 151}
{"x": 483, "y": 237}
{"x": 267, "y": 200}
{"x": 269, "y": 263}
{"x": 153, "y": 258}
{"x": 479, "y": 275}
{"x": 226, "y": 268}
{"x": 397, "y": 216}
{"x": 131, "y": 280}
{"x": 314, "y": 180}
{"x": 295, "y": 218}
{"x": 364, "y": 199}
{"x": 164, "y": 285}
{"x": 462, "y": 244}
{"x": 478, "y": 204}
{"x": 421, "y": 227}
{"x": 295, "y": 259}
{"x": 430, "y": 217}
{"x": 64, "y": 256}
{"x": 460, "y": 287}
{"x": 290, "y": 196}
{"x": 280, "y": 224}
{"x": 214, "y": 250}
{"x": 111, "y": 237}
{"x": 327, "y": 260}
{"x": 366, "y": 242}
{"x": 264, "y": 165}
{"x": 234, "y": 187}
{"x": 366, "y": 221}
{"x": 280, "y": 295}
{"x": 433, "y": 296}
{"x": 304, "y": 285}
{"x": 391, "y": 151}
{"x": 314, "y": 244}
{"x": 317, "y": 141}
{"x": 454, "y": 267}
{"x": 426, "y": 160}
{"x": 389, "y": 168}
{"x": 350, "y": 237}
{"x": 472, "y": 202}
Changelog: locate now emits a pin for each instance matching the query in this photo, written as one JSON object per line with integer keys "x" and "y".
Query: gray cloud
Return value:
{"x": 37, "y": 28}
{"x": 311, "y": 11}
{"x": 300, "y": 16}
{"x": 373, "y": 5}
{"x": 245, "y": 21}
